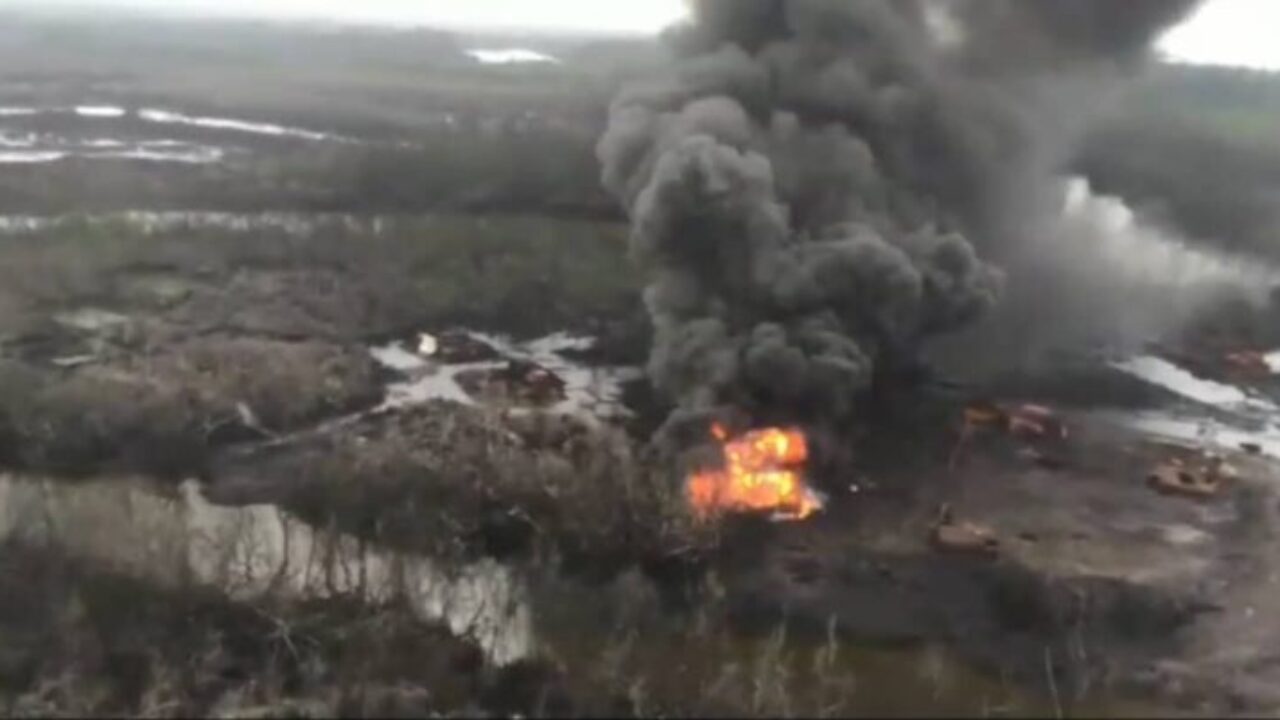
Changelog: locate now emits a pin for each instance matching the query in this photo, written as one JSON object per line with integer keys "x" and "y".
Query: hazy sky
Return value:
{"x": 598, "y": 15}
{"x": 1233, "y": 32}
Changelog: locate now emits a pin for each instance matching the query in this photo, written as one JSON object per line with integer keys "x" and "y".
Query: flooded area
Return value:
{"x": 354, "y": 370}
{"x": 1163, "y": 373}
{"x": 168, "y": 117}
{"x": 1248, "y": 418}
{"x": 164, "y": 116}
{"x": 590, "y": 392}
{"x": 507, "y": 56}
{"x": 173, "y": 536}
{"x": 165, "y": 151}
{"x": 169, "y": 538}
{"x": 1200, "y": 431}
{"x": 150, "y": 222}
{"x": 794, "y": 673}
{"x": 39, "y": 135}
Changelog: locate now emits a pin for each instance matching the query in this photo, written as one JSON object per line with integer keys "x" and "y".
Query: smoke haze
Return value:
{"x": 821, "y": 185}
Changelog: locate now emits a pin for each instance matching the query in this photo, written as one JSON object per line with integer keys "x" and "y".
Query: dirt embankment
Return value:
{"x": 450, "y": 480}
{"x": 82, "y": 640}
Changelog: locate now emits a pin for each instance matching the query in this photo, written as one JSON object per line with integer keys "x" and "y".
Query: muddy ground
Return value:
{"x": 1099, "y": 584}
{"x": 245, "y": 359}
{"x": 230, "y": 484}
{"x": 1100, "y": 589}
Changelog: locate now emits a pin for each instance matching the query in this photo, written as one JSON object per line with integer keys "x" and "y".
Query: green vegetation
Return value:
{"x": 471, "y": 198}
{"x": 354, "y": 81}
{"x": 439, "y": 131}
{"x": 347, "y": 277}
{"x": 1198, "y": 149}
{"x": 81, "y": 640}
{"x": 172, "y": 332}
{"x": 85, "y": 641}
{"x": 450, "y": 481}
{"x": 1237, "y": 104}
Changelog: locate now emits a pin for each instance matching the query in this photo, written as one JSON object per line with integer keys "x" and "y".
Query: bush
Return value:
{"x": 450, "y": 481}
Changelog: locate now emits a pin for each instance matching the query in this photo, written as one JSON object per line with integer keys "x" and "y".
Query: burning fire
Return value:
{"x": 763, "y": 470}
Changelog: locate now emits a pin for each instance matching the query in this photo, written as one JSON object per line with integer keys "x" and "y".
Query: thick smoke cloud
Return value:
{"x": 814, "y": 188}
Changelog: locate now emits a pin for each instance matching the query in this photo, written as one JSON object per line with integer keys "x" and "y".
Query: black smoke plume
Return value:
{"x": 819, "y": 186}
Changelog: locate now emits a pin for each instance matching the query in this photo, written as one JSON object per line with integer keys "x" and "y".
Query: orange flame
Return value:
{"x": 763, "y": 470}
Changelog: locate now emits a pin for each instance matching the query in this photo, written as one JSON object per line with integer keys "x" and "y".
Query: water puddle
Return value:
{"x": 593, "y": 391}
{"x": 106, "y": 149}
{"x": 508, "y": 56}
{"x": 151, "y": 222}
{"x": 174, "y": 537}
{"x": 195, "y": 156}
{"x": 256, "y": 551}
{"x": 1161, "y": 372}
{"x": 90, "y": 319}
{"x": 31, "y": 148}
{"x": 168, "y": 117}
{"x": 434, "y": 383}
{"x": 30, "y": 157}
{"x": 26, "y": 140}
{"x": 395, "y": 357}
{"x": 590, "y": 392}
{"x": 1202, "y": 431}
{"x": 1250, "y": 419}
{"x": 99, "y": 111}
{"x": 162, "y": 116}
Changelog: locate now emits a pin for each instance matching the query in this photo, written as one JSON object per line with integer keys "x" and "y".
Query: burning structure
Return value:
{"x": 819, "y": 186}
{"x": 763, "y": 471}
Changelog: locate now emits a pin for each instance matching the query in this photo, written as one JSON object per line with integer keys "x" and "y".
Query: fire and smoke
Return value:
{"x": 762, "y": 471}
{"x": 814, "y": 188}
